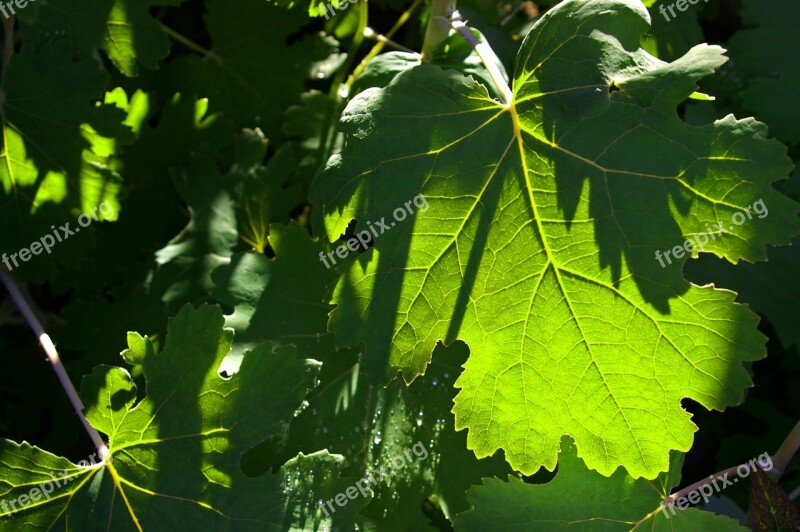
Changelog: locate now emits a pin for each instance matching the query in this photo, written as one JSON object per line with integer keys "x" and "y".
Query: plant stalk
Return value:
{"x": 785, "y": 453}
{"x": 55, "y": 360}
{"x": 438, "y": 27}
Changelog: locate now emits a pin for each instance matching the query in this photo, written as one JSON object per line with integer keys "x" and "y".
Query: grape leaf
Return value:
{"x": 580, "y": 499}
{"x": 771, "y": 78}
{"x": 56, "y": 154}
{"x": 151, "y": 210}
{"x": 216, "y": 205}
{"x": 771, "y": 287}
{"x": 538, "y": 248}
{"x": 290, "y": 310}
{"x": 311, "y": 127}
{"x": 241, "y": 75}
{"x": 282, "y": 301}
{"x": 671, "y": 37}
{"x": 124, "y": 29}
{"x": 770, "y": 508}
{"x": 176, "y": 452}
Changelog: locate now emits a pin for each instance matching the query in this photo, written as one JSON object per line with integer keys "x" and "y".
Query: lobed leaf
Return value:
{"x": 539, "y": 246}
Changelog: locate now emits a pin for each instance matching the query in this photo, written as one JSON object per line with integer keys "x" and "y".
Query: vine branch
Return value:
{"x": 52, "y": 355}
{"x": 780, "y": 460}
{"x": 786, "y": 451}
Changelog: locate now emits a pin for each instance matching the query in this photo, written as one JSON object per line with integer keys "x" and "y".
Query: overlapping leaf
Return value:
{"x": 371, "y": 428}
{"x": 579, "y": 499}
{"x": 242, "y": 75}
{"x": 124, "y": 29}
{"x": 771, "y": 77}
{"x": 539, "y": 246}
{"x": 57, "y": 152}
{"x": 176, "y": 452}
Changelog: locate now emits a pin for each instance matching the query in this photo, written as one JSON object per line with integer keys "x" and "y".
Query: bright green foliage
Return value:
{"x": 538, "y": 247}
{"x": 521, "y": 300}
{"x": 176, "y": 452}
{"x": 772, "y": 287}
{"x": 282, "y": 301}
{"x": 578, "y": 499}
{"x": 123, "y": 29}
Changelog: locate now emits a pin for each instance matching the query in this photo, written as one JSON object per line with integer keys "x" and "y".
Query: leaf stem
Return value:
{"x": 55, "y": 360}
{"x": 438, "y": 27}
{"x": 187, "y": 42}
{"x": 369, "y": 33}
{"x": 486, "y": 57}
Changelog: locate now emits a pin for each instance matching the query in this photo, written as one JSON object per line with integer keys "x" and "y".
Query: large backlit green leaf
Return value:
{"x": 538, "y": 246}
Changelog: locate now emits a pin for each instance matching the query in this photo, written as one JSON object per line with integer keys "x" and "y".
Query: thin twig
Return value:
{"x": 780, "y": 460}
{"x": 378, "y": 48}
{"x": 187, "y": 42}
{"x": 52, "y": 356}
{"x": 369, "y": 33}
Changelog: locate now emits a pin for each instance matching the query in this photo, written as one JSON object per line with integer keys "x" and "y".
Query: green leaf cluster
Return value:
{"x": 531, "y": 335}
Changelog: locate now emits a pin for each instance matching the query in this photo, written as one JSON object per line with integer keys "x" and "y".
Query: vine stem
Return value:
{"x": 484, "y": 53}
{"x": 55, "y": 360}
{"x": 438, "y": 27}
{"x": 780, "y": 460}
{"x": 688, "y": 489}
{"x": 786, "y": 451}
